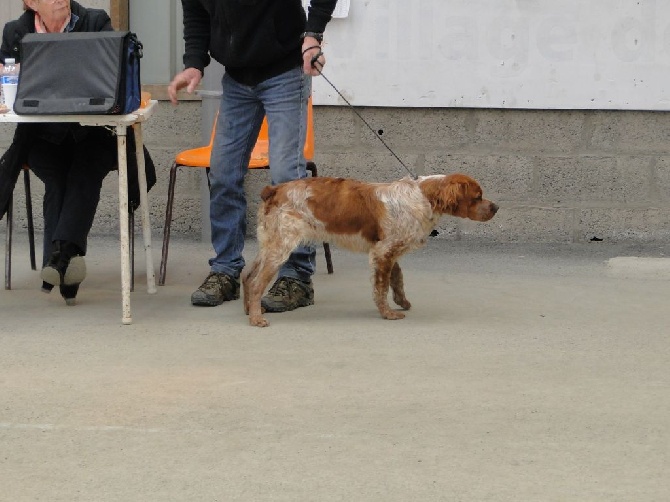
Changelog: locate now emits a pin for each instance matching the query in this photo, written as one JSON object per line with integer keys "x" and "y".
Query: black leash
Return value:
{"x": 315, "y": 60}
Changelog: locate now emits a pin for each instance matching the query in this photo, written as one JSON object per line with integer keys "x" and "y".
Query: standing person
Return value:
{"x": 72, "y": 160}
{"x": 266, "y": 47}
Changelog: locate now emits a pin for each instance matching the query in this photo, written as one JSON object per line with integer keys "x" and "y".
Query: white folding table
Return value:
{"x": 119, "y": 123}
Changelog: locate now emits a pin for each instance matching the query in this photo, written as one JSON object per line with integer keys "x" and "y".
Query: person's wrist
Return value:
{"x": 313, "y": 34}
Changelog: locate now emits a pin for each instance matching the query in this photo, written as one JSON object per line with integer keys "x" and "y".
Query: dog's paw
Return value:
{"x": 402, "y": 302}
{"x": 259, "y": 321}
{"x": 393, "y": 315}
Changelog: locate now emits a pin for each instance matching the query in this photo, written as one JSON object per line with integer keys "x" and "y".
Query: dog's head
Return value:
{"x": 457, "y": 195}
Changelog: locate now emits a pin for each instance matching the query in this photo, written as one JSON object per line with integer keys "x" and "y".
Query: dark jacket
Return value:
{"x": 13, "y": 160}
{"x": 17, "y": 154}
{"x": 254, "y": 39}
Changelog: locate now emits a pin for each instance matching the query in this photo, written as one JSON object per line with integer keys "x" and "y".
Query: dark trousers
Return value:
{"x": 72, "y": 172}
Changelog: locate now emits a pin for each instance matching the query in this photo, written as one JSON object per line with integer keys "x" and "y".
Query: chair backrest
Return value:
{"x": 260, "y": 158}
{"x": 309, "y": 138}
{"x": 211, "y": 136}
{"x": 198, "y": 157}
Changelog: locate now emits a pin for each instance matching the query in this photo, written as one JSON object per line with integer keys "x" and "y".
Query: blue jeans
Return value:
{"x": 283, "y": 99}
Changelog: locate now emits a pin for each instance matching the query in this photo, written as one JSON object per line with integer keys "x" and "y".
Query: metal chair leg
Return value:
{"x": 29, "y": 214}
{"x": 329, "y": 260}
{"x": 167, "y": 225}
{"x": 8, "y": 243}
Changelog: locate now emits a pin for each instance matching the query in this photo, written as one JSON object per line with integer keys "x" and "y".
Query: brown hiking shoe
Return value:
{"x": 216, "y": 289}
{"x": 288, "y": 294}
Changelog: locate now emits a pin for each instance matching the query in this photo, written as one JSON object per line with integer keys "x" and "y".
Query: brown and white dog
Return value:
{"x": 386, "y": 220}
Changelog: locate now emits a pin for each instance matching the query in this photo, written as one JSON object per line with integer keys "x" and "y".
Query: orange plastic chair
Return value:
{"x": 200, "y": 157}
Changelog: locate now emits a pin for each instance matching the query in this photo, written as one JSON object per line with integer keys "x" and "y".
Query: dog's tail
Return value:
{"x": 268, "y": 192}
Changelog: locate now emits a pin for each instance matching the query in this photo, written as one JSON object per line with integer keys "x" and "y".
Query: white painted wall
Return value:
{"x": 10, "y": 9}
{"x": 546, "y": 54}
{"x": 539, "y": 54}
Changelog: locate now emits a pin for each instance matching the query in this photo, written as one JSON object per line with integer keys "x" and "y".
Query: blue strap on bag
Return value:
{"x": 132, "y": 87}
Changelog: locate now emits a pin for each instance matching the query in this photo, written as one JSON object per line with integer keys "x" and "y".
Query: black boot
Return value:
{"x": 66, "y": 268}
{"x": 52, "y": 273}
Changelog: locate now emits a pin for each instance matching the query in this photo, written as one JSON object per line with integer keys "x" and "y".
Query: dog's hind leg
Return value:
{"x": 382, "y": 264}
{"x": 398, "y": 287}
{"x": 248, "y": 275}
{"x": 263, "y": 272}
{"x": 271, "y": 256}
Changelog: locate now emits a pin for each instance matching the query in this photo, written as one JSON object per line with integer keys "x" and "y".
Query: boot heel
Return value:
{"x": 69, "y": 293}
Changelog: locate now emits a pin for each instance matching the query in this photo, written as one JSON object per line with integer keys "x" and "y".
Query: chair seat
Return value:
{"x": 195, "y": 157}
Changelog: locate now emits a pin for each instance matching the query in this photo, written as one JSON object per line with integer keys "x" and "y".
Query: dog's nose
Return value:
{"x": 494, "y": 207}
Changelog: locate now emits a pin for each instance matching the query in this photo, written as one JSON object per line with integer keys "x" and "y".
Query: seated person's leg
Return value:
{"x": 49, "y": 162}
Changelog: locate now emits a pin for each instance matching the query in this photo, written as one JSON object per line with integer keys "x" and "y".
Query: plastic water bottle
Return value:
{"x": 10, "y": 82}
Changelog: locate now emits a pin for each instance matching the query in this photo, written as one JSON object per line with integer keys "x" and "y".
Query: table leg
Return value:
{"x": 8, "y": 243}
{"x": 123, "y": 222}
{"x": 144, "y": 204}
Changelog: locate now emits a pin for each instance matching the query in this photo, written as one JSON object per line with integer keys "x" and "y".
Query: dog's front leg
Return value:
{"x": 381, "y": 270}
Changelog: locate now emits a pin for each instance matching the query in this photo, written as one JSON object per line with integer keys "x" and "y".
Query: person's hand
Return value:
{"x": 189, "y": 78}
{"x": 310, "y": 48}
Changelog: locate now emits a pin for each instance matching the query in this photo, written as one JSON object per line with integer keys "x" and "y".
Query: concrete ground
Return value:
{"x": 522, "y": 373}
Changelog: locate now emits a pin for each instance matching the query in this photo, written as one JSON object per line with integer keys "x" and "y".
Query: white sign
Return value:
{"x": 555, "y": 54}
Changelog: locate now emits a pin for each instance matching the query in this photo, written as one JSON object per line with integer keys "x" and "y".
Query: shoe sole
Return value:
{"x": 210, "y": 302}
{"x": 283, "y": 308}
{"x": 51, "y": 276}
{"x": 204, "y": 302}
{"x": 75, "y": 272}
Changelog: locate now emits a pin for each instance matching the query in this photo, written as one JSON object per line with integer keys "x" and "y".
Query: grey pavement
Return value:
{"x": 522, "y": 373}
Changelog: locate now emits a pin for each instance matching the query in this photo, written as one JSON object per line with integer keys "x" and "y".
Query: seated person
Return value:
{"x": 72, "y": 160}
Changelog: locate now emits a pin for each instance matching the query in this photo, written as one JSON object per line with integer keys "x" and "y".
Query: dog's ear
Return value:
{"x": 452, "y": 192}
{"x": 444, "y": 193}
{"x": 268, "y": 192}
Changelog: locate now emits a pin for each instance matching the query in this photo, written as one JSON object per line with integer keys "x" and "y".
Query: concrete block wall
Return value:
{"x": 559, "y": 176}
